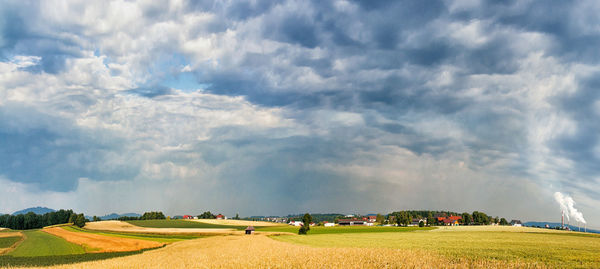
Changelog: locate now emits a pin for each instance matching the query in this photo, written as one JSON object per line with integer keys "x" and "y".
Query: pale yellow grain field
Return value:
{"x": 237, "y": 222}
{"x": 10, "y": 234}
{"x": 259, "y": 251}
{"x": 121, "y": 226}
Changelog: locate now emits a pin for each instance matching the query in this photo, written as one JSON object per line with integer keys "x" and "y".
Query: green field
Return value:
{"x": 38, "y": 243}
{"x": 7, "y": 261}
{"x": 151, "y": 237}
{"x": 554, "y": 249}
{"x": 343, "y": 229}
{"x": 180, "y": 224}
{"x": 6, "y": 242}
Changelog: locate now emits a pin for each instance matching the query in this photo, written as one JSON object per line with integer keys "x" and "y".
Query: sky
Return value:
{"x": 275, "y": 108}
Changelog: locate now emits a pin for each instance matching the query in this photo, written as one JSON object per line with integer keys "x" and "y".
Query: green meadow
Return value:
{"x": 38, "y": 243}
{"x": 343, "y": 229}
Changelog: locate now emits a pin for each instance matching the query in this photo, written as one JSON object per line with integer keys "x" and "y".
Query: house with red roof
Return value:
{"x": 450, "y": 221}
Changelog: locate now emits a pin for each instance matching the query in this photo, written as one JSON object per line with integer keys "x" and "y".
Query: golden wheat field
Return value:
{"x": 101, "y": 243}
{"x": 121, "y": 226}
{"x": 262, "y": 252}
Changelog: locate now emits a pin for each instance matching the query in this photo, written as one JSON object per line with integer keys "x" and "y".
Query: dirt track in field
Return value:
{"x": 121, "y": 226}
{"x": 101, "y": 243}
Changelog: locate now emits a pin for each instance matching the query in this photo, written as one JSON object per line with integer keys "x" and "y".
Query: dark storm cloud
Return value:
{"x": 20, "y": 35}
{"x": 52, "y": 153}
{"x": 461, "y": 84}
{"x": 582, "y": 146}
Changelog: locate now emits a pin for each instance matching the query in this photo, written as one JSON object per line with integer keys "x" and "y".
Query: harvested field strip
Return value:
{"x": 10, "y": 234}
{"x": 262, "y": 252}
{"x": 239, "y": 223}
{"x": 102, "y": 243}
{"x": 121, "y": 226}
{"x": 38, "y": 243}
{"x": 150, "y": 237}
{"x": 182, "y": 224}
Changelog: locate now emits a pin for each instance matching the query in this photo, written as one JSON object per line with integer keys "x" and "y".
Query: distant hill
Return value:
{"x": 116, "y": 216}
{"x": 37, "y": 210}
{"x": 557, "y": 224}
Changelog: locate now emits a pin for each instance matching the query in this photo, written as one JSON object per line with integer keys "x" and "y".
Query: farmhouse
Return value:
{"x": 328, "y": 224}
{"x": 516, "y": 223}
{"x": 221, "y": 217}
{"x": 372, "y": 219}
{"x": 250, "y": 230}
{"x": 449, "y": 221}
{"x": 296, "y": 223}
{"x": 187, "y": 217}
{"x": 416, "y": 221}
{"x": 352, "y": 222}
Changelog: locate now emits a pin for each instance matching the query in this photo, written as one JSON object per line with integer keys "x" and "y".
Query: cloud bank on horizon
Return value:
{"x": 263, "y": 107}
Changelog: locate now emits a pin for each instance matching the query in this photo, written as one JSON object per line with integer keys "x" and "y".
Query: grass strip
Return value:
{"x": 6, "y": 242}
{"x": 39, "y": 243}
{"x": 8, "y": 261}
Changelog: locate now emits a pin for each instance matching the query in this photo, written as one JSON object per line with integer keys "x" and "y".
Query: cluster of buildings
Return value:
{"x": 195, "y": 217}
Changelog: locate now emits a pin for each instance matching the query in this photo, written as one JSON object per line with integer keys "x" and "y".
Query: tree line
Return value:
{"x": 146, "y": 216}
{"x": 35, "y": 221}
{"x": 403, "y": 218}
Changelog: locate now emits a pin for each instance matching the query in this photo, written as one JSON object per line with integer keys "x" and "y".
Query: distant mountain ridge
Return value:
{"x": 116, "y": 216}
{"x": 557, "y": 224}
{"x": 37, "y": 210}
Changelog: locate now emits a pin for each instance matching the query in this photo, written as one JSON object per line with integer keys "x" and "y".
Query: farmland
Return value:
{"x": 468, "y": 246}
{"x": 526, "y": 245}
{"x": 343, "y": 229}
{"x": 164, "y": 227}
{"x": 181, "y": 224}
{"x": 102, "y": 243}
{"x": 39, "y": 243}
{"x": 263, "y": 252}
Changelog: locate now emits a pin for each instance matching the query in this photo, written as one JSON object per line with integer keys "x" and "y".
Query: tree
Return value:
{"x": 80, "y": 220}
{"x": 95, "y": 218}
{"x": 207, "y": 215}
{"x": 379, "y": 218}
{"x": 306, "y": 220}
{"x": 466, "y": 218}
{"x": 421, "y": 223}
{"x": 237, "y": 216}
{"x": 503, "y": 221}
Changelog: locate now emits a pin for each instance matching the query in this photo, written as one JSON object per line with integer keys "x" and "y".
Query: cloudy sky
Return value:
{"x": 271, "y": 108}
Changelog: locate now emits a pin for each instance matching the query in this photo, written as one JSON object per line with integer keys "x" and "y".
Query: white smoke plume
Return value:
{"x": 567, "y": 205}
